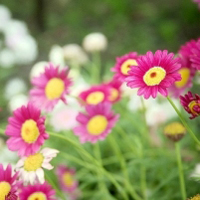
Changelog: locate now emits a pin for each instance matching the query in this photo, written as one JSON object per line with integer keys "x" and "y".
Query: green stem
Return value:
{"x": 184, "y": 122}
{"x": 143, "y": 177}
{"x": 180, "y": 169}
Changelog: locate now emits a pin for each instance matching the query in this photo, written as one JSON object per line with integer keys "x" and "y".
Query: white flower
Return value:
{"x": 31, "y": 168}
{"x": 37, "y": 69}
{"x": 5, "y": 16}
{"x": 56, "y": 55}
{"x": 95, "y": 42}
{"x": 75, "y": 54}
{"x": 17, "y": 101}
{"x": 15, "y": 86}
{"x": 7, "y": 58}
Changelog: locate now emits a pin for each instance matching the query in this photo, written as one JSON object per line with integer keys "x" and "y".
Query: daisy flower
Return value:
{"x": 95, "y": 95}
{"x": 50, "y": 87}
{"x": 31, "y": 167}
{"x": 154, "y": 73}
{"x": 195, "y": 57}
{"x": 66, "y": 178}
{"x": 26, "y": 130}
{"x": 191, "y": 104}
{"x": 8, "y": 185}
{"x": 114, "y": 91}
{"x": 123, "y": 65}
{"x": 187, "y": 74}
{"x": 37, "y": 191}
{"x": 96, "y": 124}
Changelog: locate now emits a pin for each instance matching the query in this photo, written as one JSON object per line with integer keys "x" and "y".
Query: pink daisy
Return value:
{"x": 50, "y": 87}
{"x": 114, "y": 90}
{"x": 11, "y": 196}
{"x": 26, "y": 130}
{"x": 37, "y": 191}
{"x": 66, "y": 178}
{"x": 95, "y": 95}
{"x": 123, "y": 65}
{"x": 191, "y": 104}
{"x": 187, "y": 74}
{"x": 8, "y": 184}
{"x": 154, "y": 73}
{"x": 195, "y": 57}
{"x": 96, "y": 124}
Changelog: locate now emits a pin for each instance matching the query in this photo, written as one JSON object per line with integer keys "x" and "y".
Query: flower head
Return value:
{"x": 26, "y": 130}
{"x": 196, "y": 197}
{"x": 30, "y": 167}
{"x": 8, "y": 185}
{"x": 174, "y": 131}
{"x": 191, "y": 104}
{"x": 37, "y": 191}
{"x": 50, "y": 87}
{"x": 154, "y": 73}
{"x": 195, "y": 57}
{"x": 95, "y": 95}
{"x": 123, "y": 65}
{"x": 66, "y": 178}
{"x": 96, "y": 124}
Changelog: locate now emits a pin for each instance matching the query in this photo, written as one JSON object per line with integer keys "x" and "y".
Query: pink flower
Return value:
{"x": 114, "y": 90}
{"x": 50, "y": 87}
{"x": 191, "y": 104}
{"x": 195, "y": 57}
{"x": 26, "y": 130}
{"x": 154, "y": 73}
{"x": 187, "y": 73}
{"x": 96, "y": 124}
{"x": 37, "y": 191}
{"x": 198, "y": 2}
{"x": 95, "y": 95}
{"x": 8, "y": 184}
{"x": 11, "y": 196}
{"x": 123, "y": 65}
{"x": 67, "y": 178}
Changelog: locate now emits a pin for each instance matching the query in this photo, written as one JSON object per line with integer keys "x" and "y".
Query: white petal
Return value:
{"x": 48, "y": 152}
{"x": 40, "y": 175}
{"x": 20, "y": 163}
{"x": 32, "y": 177}
{"x": 47, "y": 166}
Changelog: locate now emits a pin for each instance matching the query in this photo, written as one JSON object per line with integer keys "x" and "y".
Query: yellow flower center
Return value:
{"x": 29, "y": 131}
{"x": 185, "y": 75}
{"x": 174, "y": 128}
{"x": 125, "y": 67}
{"x": 97, "y": 125}
{"x": 154, "y": 76}
{"x": 33, "y": 162}
{"x": 197, "y": 197}
{"x": 68, "y": 179}
{"x": 54, "y": 88}
{"x": 191, "y": 107}
{"x": 113, "y": 94}
{"x": 4, "y": 189}
{"x": 95, "y": 98}
{"x": 37, "y": 196}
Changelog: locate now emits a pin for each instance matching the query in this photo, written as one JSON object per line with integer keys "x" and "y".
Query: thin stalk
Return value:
{"x": 184, "y": 122}
{"x": 143, "y": 177}
{"x": 180, "y": 170}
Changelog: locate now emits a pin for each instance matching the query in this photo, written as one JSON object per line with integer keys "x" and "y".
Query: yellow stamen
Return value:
{"x": 68, "y": 179}
{"x": 54, "y": 88}
{"x": 154, "y": 76}
{"x": 197, "y": 197}
{"x": 37, "y": 196}
{"x": 191, "y": 106}
{"x": 174, "y": 128}
{"x": 97, "y": 125}
{"x": 185, "y": 75}
{"x": 127, "y": 65}
{"x": 113, "y": 94}
{"x": 4, "y": 189}
{"x": 95, "y": 98}
{"x": 29, "y": 131}
{"x": 33, "y": 162}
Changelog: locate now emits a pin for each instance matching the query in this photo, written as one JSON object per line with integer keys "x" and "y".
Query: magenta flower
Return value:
{"x": 123, "y": 65}
{"x": 96, "y": 124}
{"x": 50, "y": 87}
{"x": 154, "y": 73}
{"x": 191, "y": 104}
{"x": 114, "y": 90}
{"x": 26, "y": 130}
{"x": 195, "y": 57}
{"x": 67, "y": 178}
{"x": 95, "y": 95}
{"x": 11, "y": 196}
{"x": 37, "y": 191}
{"x": 8, "y": 184}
